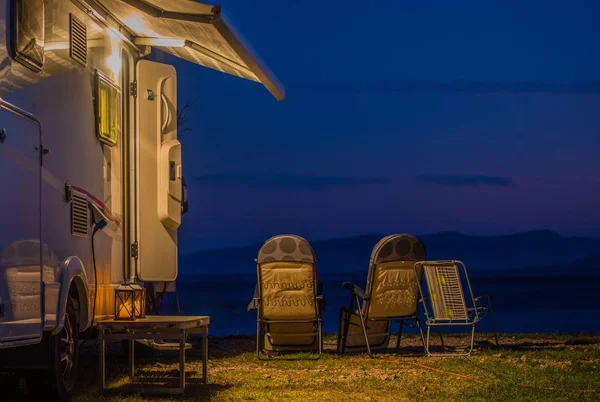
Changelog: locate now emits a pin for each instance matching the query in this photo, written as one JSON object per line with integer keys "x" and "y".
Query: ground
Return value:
{"x": 525, "y": 368}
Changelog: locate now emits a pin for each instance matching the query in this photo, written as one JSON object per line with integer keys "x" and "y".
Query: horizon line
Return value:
{"x": 249, "y": 245}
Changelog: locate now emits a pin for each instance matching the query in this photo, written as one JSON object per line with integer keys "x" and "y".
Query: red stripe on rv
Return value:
{"x": 99, "y": 203}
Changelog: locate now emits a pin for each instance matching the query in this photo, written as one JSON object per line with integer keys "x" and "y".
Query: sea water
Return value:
{"x": 536, "y": 303}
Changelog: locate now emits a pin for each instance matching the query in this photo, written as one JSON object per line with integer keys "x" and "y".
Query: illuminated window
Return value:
{"x": 28, "y": 33}
{"x": 107, "y": 110}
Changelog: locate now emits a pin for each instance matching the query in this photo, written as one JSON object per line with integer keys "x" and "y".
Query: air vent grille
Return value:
{"x": 77, "y": 40}
{"x": 80, "y": 215}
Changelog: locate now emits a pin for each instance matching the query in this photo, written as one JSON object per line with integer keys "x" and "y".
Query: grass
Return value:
{"x": 526, "y": 368}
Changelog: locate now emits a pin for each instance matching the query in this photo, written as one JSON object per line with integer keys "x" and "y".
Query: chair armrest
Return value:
{"x": 355, "y": 289}
{"x": 321, "y": 302}
{"x": 487, "y": 305}
{"x": 253, "y": 305}
{"x": 487, "y": 298}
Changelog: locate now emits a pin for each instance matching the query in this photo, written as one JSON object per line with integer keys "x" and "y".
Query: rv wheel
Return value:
{"x": 56, "y": 384}
{"x": 9, "y": 384}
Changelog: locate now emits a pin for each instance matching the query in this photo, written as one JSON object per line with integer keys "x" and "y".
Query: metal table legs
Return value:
{"x": 131, "y": 336}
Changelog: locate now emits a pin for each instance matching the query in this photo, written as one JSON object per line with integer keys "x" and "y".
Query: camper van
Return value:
{"x": 90, "y": 165}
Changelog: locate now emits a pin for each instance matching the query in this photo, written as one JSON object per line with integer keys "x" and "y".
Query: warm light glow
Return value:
{"x": 114, "y": 63}
{"x": 130, "y": 302}
{"x": 124, "y": 304}
{"x": 56, "y": 46}
{"x": 168, "y": 42}
{"x": 114, "y": 60}
{"x": 136, "y": 23}
{"x": 140, "y": 303}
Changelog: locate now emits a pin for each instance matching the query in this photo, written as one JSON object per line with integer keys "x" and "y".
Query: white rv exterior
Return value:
{"x": 90, "y": 165}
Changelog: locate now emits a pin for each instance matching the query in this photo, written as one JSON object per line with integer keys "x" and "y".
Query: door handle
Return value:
{"x": 172, "y": 171}
{"x": 44, "y": 151}
{"x": 166, "y": 113}
{"x": 2, "y": 135}
{"x": 175, "y": 171}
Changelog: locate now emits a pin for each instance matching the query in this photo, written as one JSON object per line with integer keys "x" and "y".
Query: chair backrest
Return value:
{"x": 392, "y": 284}
{"x": 445, "y": 289}
{"x": 287, "y": 278}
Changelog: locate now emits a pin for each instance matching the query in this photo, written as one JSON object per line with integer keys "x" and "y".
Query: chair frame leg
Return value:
{"x": 399, "y": 334}
{"x": 418, "y": 321}
{"x": 427, "y": 351}
{"x": 493, "y": 320}
{"x": 258, "y": 348}
{"x": 439, "y": 330}
{"x": 466, "y": 353}
{"x": 338, "y": 345}
{"x": 488, "y": 309}
{"x": 320, "y": 338}
{"x": 260, "y": 342}
{"x": 347, "y": 322}
{"x": 364, "y": 328}
{"x": 472, "y": 340}
{"x": 343, "y": 331}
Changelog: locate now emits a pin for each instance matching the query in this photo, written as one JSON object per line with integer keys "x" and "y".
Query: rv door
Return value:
{"x": 159, "y": 173}
{"x": 20, "y": 243}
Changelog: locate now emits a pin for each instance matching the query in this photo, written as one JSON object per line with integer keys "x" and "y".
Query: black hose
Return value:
{"x": 95, "y": 277}
{"x": 162, "y": 298}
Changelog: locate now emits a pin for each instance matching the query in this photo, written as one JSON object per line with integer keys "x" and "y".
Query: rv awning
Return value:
{"x": 194, "y": 31}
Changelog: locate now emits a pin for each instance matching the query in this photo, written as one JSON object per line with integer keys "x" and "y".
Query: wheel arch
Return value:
{"x": 73, "y": 281}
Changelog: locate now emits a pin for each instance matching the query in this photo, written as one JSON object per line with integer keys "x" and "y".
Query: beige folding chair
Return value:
{"x": 448, "y": 305}
{"x": 288, "y": 303}
{"x": 391, "y": 295}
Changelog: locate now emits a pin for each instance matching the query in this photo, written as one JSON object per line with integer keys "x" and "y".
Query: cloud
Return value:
{"x": 462, "y": 86}
{"x": 298, "y": 182}
{"x": 467, "y": 180}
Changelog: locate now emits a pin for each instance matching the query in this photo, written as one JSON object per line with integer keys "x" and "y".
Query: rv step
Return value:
{"x": 159, "y": 344}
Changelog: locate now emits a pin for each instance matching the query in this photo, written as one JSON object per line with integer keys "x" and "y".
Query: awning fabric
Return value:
{"x": 194, "y": 31}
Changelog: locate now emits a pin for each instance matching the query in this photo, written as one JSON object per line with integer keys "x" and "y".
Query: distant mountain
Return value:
{"x": 542, "y": 248}
{"x": 535, "y": 248}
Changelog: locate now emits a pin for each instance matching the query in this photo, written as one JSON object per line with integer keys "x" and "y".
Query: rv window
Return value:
{"x": 107, "y": 111}
{"x": 28, "y": 33}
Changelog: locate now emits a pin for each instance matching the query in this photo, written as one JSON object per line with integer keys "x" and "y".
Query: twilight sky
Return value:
{"x": 400, "y": 116}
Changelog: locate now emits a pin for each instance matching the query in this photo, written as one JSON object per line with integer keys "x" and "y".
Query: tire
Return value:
{"x": 57, "y": 382}
{"x": 10, "y": 388}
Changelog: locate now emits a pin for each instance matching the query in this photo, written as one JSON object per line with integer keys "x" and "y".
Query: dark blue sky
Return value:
{"x": 400, "y": 116}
